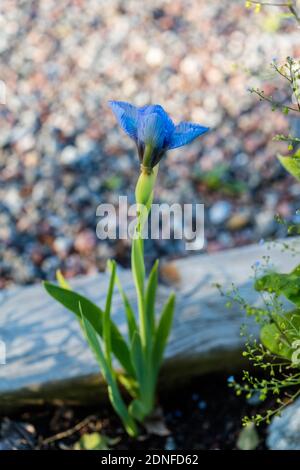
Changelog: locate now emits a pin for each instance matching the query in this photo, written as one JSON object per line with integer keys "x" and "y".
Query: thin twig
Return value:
{"x": 270, "y": 4}
{"x": 294, "y": 84}
{"x": 290, "y": 5}
{"x": 294, "y": 12}
{"x": 281, "y": 73}
{"x": 68, "y": 432}
{"x": 274, "y": 103}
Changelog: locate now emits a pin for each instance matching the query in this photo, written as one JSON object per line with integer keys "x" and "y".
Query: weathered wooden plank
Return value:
{"x": 47, "y": 358}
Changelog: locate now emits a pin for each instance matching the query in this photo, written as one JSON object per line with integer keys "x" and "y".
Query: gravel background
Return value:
{"x": 61, "y": 153}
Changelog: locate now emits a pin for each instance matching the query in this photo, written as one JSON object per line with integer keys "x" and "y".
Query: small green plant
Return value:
{"x": 290, "y": 73}
{"x": 276, "y": 355}
{"x": 94, "y": 441}
{"x": 141, "y": 354}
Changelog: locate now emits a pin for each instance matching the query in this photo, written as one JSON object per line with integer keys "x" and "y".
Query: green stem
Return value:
{"x": 147, "y": 387}
{"x": 147, "y": 156}
{"x": 141, "y": 292}
{"x": 144, "y": 196}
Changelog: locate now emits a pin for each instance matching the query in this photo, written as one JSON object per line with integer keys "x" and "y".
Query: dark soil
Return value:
{"x": 205, "y": 414}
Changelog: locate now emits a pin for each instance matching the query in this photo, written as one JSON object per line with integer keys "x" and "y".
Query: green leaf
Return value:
{"x": 131, "y": 321}
{"x": 278, "y": 336}
{"x": 272, "y": 339}
{"x": 106, "y": 316}
{"x": 286, "y": 138}
{"x": 138, "y": 410}
{"x": 94, "y": 314}
{"x": 278, "y": 283}
{"x": 138, "y": 266}
{"x": 62, "y": 281}
{"x": 93, "y": 441}
{"x": 128, "y": 383}
{"x": 138, "y": 272}
{"x": 137, "y": 357}
{"x": 150, "y": 298}
{"x": 163, "y": 331}
{"x": 291, "y": 164}
{"x": 91, "y": 336}
{"x": 108, "y": 373}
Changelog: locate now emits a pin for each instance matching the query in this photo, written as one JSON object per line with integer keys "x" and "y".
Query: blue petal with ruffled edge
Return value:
{"x": 151, "y": 130}
{"x": 159, "y": 111}
{"x": 127, "y": 117}
{"x": 152, "y": 125}
{"x": 184, "y": 133}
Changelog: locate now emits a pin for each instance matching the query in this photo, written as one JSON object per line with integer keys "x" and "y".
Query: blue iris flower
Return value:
{"x": 153, "y": 131}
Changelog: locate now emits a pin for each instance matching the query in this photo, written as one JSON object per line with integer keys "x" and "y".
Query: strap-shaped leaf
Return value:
{"x": 163, "y": 331}
{"x": 95, "y": 346}
{"x": 113, "y": 390}
{"x": 150, "y": 298}
{"x": 137, "y": 357}
{"x": 131, "y": 321}
{"x": 138, "y": 272}
{"x": 138, "y": 266}
{"x": 138, "y": 410}
{"x": 94, "y": 314}
{"x": 130, "y": 316}
{"x": 62, "y": 281}
{"x": 106, "y": 316}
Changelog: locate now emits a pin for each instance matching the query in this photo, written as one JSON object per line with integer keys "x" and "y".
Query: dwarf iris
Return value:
{"x": 153, "y": 130}
{"x": 141, "y": 353}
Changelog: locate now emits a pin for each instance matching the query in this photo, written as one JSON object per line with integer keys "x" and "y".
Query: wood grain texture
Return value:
{"x": 47, "y": 357}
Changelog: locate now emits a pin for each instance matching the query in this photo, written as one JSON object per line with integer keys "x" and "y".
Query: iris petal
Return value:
{"x": 159, "y": 110}
{"x": 184, "y": 133}
{"x": 127, "y": 116}
{"x": 151, "y": 130}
